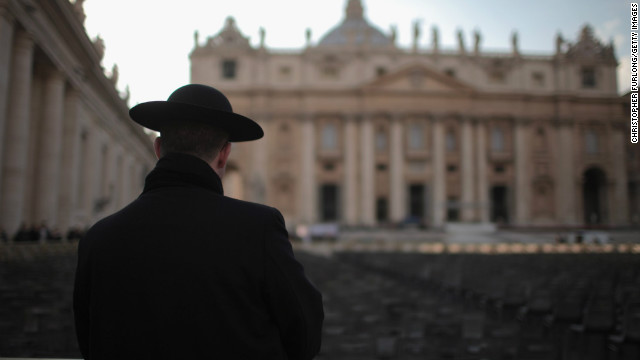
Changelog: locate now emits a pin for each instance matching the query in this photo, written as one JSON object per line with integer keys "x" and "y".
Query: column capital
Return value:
{"x": 5, "y": 13}
{"x": 619, "y": 125}
{"x": 306, "y": 117}
{"x": 54, "y": 74}
{"x": 367, "y": 115}
{"x": 398, "y": 116}
{"x": 564, "y": 121}
{"x": 522, "y": 121}
{"x": 352, "y": 117}
{"x": 436, "y": 118}
{"x": 477, "y": 120}
{"x": 467, "y": 119}
{"x": 24, "y": 40}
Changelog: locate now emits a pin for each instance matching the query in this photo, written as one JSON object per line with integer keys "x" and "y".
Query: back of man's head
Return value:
{"x": 194, "y": 138}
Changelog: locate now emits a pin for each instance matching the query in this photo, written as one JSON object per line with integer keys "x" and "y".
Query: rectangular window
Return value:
{"x": 588, "y": 77}
{"x": 330, "y": 72}
{"x": 450, "y": 141}
{"x": 498, "y": 77}
{"x": 381, "y": 141}
{"x": 591, "y": 142}
{"x": 284, "y": 72}
{"x": 229, "y": 68}
{"x": 416, "y": 137}
{"x": 538, "y": 79}
{"x": 497, "y": 139}
{"x": 329, "y": 137}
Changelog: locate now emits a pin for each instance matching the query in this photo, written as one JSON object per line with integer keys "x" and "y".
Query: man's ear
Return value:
{"x": 157, "y": 144}
{"x": 223, "y": 156}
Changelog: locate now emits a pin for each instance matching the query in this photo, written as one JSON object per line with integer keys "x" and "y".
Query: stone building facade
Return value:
{"x": 68, "y": 151}
{"x": 362, "y": 132}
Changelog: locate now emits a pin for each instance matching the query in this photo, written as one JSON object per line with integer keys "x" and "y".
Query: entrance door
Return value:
{"x": 594, "y": 195}
{"x": 382, "y": 209}
{"x": 417, "y": 203}
{"x": 499, "y": 208}
{"x": 329, "y": 202}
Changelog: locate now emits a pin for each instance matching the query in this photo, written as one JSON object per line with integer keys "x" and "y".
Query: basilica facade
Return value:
{"x": 69, "y": 154}
{"x": 362, "y": 132}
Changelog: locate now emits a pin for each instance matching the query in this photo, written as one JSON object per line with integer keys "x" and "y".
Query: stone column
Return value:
{"x": 70, "y": 166}
{"x": 309, "y": 192}
{"x": 17, "y": 134}
{"x": 125, "y": 180}
{"x": 620, "y": 204}
{"x": 259, "y": 175}
{"x": 110, "y": 191}
{"x": 398, "y": 196}
{"x": 565, "y": 176}
{"x": 50, "y": 149}
{"x": 367, "y": 173}
{"x": 467, "y": 173}
{"x": 438, "y": 173}
{"x": 350, "y": 171}
{"x": 118, "y": 180}
{"x": 6, "y": 39}
{"x": 522, "y": 180}
{"x": 482, "y": 180}
{"x": 92, "y": 171}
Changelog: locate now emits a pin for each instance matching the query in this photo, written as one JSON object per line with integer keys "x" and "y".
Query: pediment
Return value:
{"x": 417, "y": 77}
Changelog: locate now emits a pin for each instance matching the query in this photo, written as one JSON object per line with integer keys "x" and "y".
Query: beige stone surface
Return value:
{"x": 371, "y": 89}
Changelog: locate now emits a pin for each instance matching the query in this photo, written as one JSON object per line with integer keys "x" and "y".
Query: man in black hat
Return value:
{"x": 184, "y": 272}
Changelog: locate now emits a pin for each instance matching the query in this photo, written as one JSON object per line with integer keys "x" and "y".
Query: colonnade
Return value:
{"x": 67, "y": 154}
{"x": 358, "y": 197}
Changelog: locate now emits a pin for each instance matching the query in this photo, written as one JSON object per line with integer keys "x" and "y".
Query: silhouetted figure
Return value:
{"x": 74, "y": 234}
{"x": 184, "y": 272}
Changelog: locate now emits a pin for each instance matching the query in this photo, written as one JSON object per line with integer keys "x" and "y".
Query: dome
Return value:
{"x": 355, "y": 30}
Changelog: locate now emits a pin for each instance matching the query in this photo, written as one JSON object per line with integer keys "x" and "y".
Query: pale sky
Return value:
{"x": 150, "y": 40}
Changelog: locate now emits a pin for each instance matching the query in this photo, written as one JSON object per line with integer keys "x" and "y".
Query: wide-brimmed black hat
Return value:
{"x": 200, "y": 103}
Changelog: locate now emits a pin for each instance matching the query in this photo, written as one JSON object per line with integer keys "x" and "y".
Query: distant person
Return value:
{"x": 184, "y": 272}
{"x": 23, "y": 234}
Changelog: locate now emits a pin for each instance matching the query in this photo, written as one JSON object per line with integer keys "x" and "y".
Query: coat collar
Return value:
{"x": 184, "y": 170}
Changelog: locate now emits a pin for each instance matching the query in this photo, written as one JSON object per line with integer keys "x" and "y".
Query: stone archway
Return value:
{"x": 594, "y": 196}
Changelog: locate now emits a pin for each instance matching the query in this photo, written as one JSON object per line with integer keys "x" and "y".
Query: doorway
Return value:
{"x": 594, "y": 195}
{"x": 499, "y": 204}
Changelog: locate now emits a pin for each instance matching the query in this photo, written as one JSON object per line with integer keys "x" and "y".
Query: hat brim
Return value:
{"x": 155, "y": 115}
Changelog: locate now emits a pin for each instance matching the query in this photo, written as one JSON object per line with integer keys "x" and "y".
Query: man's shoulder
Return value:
{"x": 247, "y": 206}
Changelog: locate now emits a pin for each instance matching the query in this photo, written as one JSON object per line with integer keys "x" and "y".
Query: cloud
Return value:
{"x": 611, "y": 30}
{"x": 624, "y": 77}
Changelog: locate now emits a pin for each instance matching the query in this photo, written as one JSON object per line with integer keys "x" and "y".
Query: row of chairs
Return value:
{"x": 544, "y": 305}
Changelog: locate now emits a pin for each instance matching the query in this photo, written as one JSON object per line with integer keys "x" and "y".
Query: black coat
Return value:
{"x": 184, "y": 272}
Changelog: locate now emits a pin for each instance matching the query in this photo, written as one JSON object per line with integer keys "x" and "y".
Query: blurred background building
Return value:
{"x": 362, "y": 132}
{"x": 68, "y": 152}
